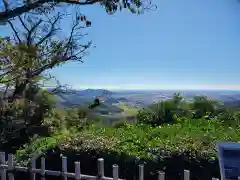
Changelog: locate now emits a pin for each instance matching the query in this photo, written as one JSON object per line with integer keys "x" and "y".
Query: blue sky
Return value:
{"x": 187, "y": 44}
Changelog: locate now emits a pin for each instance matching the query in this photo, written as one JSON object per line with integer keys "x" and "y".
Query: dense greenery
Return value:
{"x": 165, "y": 132}
{"x": 196, "y": 136}
{"x": 170, "y": 111}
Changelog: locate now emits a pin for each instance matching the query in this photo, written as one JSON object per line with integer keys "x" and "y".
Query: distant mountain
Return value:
{"x": 93, "y": 92}
{"x": 140, "y": 98}
{"x": 82, "y": 97}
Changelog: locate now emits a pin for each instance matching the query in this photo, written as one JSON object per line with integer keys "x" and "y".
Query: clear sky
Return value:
{"x": 187, "y": 44}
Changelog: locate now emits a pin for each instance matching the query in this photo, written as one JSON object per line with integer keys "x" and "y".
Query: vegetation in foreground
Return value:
{"x": 165, "y": 132}
{"x": 197, "y": 137}
{"x": 37, "y": 45}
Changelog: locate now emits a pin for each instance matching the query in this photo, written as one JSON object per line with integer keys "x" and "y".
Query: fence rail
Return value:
{"x": 7, "y": 168}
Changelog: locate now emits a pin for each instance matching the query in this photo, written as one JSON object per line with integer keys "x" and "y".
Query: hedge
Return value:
{"x": 172, "y": 148}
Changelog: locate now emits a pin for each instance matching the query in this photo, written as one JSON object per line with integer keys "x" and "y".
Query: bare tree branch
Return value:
{"x": 42, "y": 50}
{"x": 5, "y": 2}
{"x": 15, "y": 31}
{"x": 32, "y": 30}
{"x": 23, "y": 24}
{"x": 51, "y": 30}
{"x": 6, "y": 15}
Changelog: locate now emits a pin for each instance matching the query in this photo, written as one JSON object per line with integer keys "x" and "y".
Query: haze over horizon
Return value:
{"x": 143, "y": 87}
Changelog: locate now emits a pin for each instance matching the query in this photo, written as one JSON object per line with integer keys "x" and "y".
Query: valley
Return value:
{"x": 123, "y": 105}
{"x": 138, "y": 99}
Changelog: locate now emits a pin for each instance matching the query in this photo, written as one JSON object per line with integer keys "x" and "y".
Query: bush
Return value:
{"x": 59, "y": 119}
{"x": 204, "y": 106}
{"x": 21, "y": 118}
{"x": 190, "y": 144}
{"x": 144, "y": 116}
{"x": 168, "y": 111}
{"x": 159, "y": 113}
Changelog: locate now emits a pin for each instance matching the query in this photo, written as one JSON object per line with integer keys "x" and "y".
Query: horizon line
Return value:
{"x": 160, "y": 89}
{"x": 214, "y": 87}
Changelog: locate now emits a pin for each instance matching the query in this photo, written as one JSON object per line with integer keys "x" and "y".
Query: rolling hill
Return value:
{"x": 79, "y": 97}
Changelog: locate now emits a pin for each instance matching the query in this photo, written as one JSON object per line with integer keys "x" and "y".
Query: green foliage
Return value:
{"x": 45, "y": 99}
{"x": 128, "y": 111}
{"x": 175, "y": 109}
{"x": 229, "y": 116}
{"x": 134, "y": 6}
{"x": 20, "y": 118}
{"x": 111, "y": 6}
{"x": 192, "y": 139}
{"x": 197, "y": 137}
{"x": 60, "y": 119}
{"x": 119, "y": 124}
{"x": 24, "y": 61}
{"x": 33, "y": 150}
{"x": 37, "y": 49}
{"x": 144, "y": 116}
{"x": 203, "y": 106}
{"x": 75, "y": 118}
{"x": 163, "y": 112}
{"x": 177, "y": 99}
{"x": 55, "y": 119}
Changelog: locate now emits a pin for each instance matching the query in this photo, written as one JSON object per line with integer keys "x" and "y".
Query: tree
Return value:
{"x": 38, "y": 45}
{"x": 37, "y": 49}
{"x": 144, "y": 116}
{"x": 177, "y": 98}
{"x": 59, "y": 119}
{"x": 182, "y": 107}
{"x": 30, "y": 47}
{"x": 158, "y": 113}
{"x": 203, "y": 106}
{"x": 11, "y": 9}
{"x": 26, "y": 59}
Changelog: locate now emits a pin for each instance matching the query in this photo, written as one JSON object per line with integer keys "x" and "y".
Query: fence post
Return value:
{"x": 141, "y": 172}
{"x": 10, "y": 167}
{"x": 115, "y": 172}
{"x": 33, "y": 166}
{"x": 43, "y": 168}
{"x": 64, "y": 167}
{"x": 161, "y": 175}
{"x": 77, "y": 171}
{"x": 100, "y": 168}
{"x": 186, "y": 175}
{"x": 3, "y": 161}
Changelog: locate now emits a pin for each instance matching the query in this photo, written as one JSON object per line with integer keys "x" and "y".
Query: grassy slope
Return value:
{"x": 128, "y": 111}
{"x": 128, "y": 114}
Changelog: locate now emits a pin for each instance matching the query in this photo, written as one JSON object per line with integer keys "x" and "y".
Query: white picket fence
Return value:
{"x": 7, "y": 168}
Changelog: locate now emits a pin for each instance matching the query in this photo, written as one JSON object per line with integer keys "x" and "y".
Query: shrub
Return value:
{"x": 159, "y": 113}
{"x": 190, "y": 143}
{"x": 144, "y": 116}
{"x": 59, "y": 119}
{"x": 204, "y": 106}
